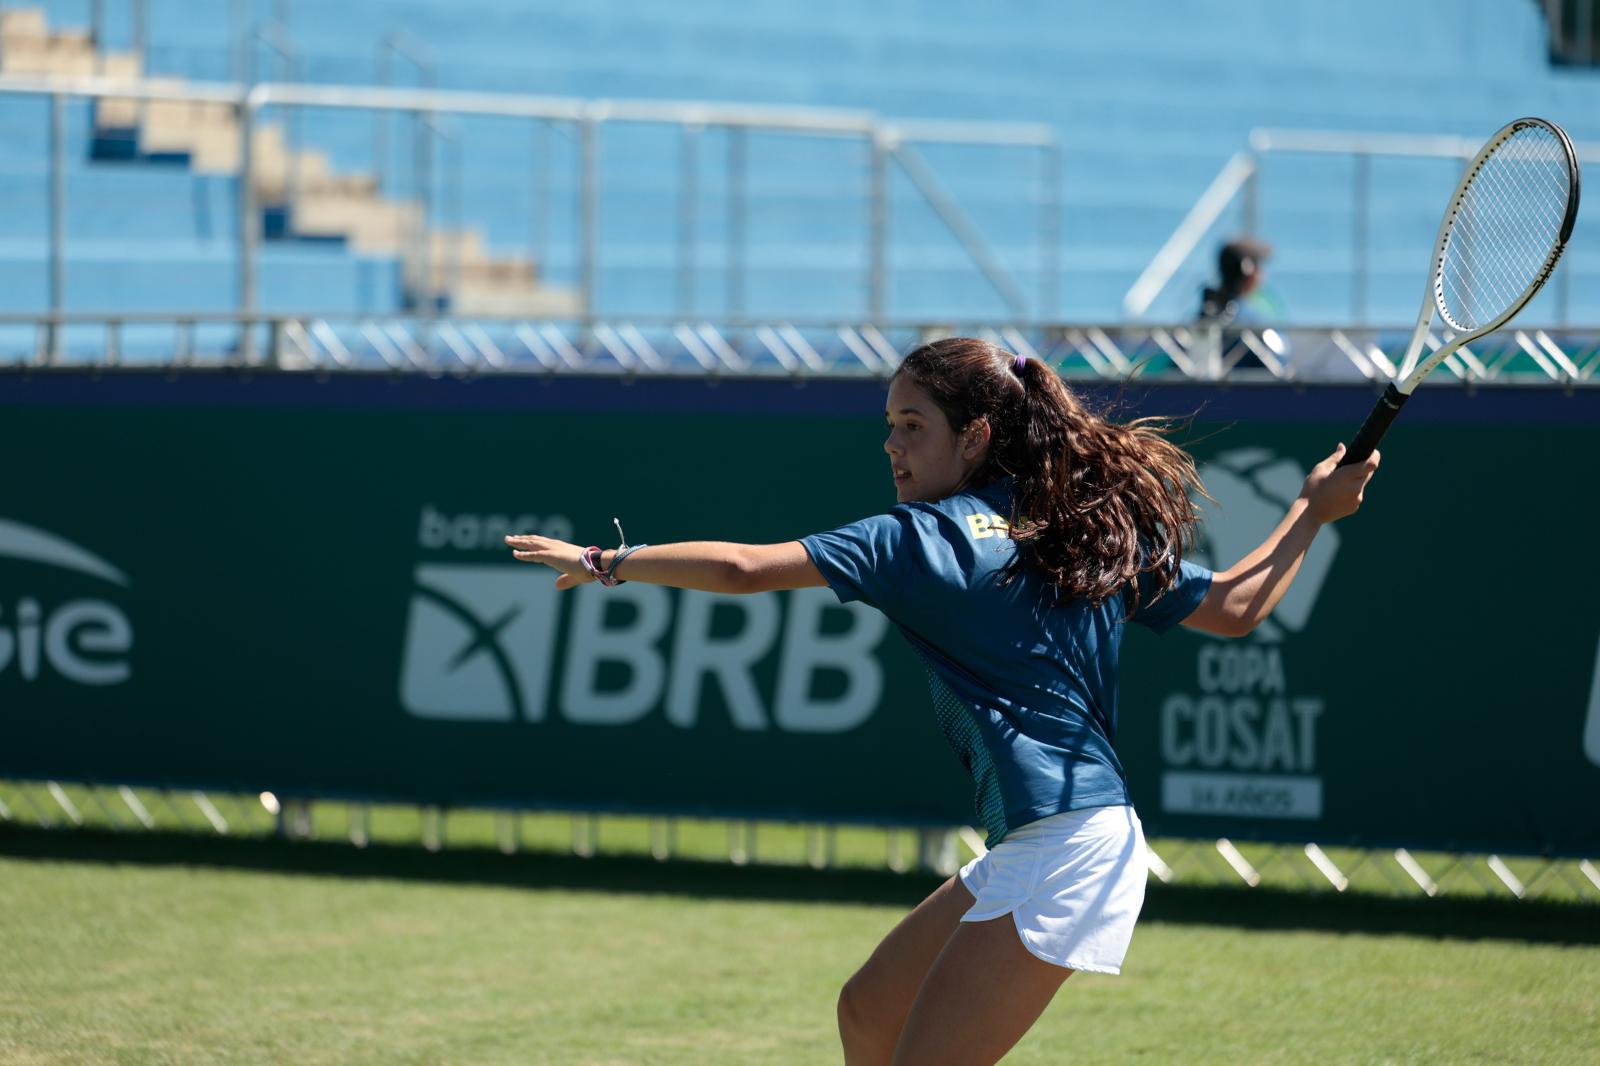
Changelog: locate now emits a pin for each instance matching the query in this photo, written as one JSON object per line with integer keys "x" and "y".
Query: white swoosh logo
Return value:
{"x": 18, "y": 541}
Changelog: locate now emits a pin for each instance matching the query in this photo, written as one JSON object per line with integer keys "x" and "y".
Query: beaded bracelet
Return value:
{"x": 591, "y": 563}
{"x": 593, "y": 555}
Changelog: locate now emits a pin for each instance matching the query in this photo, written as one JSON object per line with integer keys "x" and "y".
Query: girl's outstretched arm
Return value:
{"x": 707, "y": 565}
{"x": 1244, "y": 594}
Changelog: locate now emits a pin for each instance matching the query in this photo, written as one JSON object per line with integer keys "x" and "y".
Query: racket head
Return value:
{"x": 1506, "y": 226}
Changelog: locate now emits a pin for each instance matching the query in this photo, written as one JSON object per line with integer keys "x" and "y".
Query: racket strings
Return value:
{"x": 1505, "y": 229}
{"x": 1508, "y": 223}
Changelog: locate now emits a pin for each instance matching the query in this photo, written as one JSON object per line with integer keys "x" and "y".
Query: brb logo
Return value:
{"x": 80, "y": 638}
{"x": 482, "y": 640}
{"x": 1241, "y": 741}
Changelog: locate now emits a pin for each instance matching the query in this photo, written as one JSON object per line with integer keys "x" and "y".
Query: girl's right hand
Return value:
{"x": 558, "y": 555}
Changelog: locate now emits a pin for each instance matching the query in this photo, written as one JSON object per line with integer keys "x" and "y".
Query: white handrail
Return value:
{"x": 822, "y": 120}
{"x": 944, "y": 205}
{"x": 575, "y": 109}
{"x": 1195, "y": 225}
{"x": 1034, "y": 134}
{"x": 1334, "y": 142}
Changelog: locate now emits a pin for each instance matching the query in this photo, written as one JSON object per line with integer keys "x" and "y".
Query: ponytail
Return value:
{"x": 1096, "y": 504}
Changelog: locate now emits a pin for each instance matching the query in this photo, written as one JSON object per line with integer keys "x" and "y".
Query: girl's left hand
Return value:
{"x": 558, "y": 555}
{"x": 1331, "y": 491}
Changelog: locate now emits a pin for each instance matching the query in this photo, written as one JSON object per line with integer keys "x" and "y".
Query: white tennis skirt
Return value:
{"x": 1073, "y": 882}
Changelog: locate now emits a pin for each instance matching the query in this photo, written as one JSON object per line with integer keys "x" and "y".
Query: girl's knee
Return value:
{"x": 853, "y": 1015}
{"x": 865, "y": 1029}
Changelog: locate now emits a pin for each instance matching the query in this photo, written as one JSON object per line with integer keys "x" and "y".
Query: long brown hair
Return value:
{"x": 1096, "y": 503}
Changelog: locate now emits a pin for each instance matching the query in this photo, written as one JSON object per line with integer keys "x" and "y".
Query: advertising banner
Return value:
{"x": 283, "y": 582}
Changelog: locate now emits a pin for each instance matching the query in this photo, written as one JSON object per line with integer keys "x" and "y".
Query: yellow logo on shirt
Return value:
{"x": 990, "y": 525}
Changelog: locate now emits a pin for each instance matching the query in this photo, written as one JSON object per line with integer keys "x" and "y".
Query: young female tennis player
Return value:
{"x": 1028, "y": 531}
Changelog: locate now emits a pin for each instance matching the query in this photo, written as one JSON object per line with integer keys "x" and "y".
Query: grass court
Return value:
{"x": 174, "y": 947}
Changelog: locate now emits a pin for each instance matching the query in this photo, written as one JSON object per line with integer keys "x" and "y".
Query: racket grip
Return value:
{"x": 1376, "y": 425}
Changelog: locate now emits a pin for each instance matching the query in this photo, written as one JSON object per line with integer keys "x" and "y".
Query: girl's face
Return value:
{"x": 929, "y": 459}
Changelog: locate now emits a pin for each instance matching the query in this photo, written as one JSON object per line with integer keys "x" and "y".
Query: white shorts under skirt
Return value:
{"x": 1073, "y": 882}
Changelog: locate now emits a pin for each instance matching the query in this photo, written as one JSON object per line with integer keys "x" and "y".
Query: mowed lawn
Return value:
{"x": 164, "y": 949}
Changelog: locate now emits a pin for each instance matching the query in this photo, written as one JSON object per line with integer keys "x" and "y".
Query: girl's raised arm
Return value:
{"x": 1243, "y": 595}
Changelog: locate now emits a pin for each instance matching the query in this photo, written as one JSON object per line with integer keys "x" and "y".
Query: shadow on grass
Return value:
{"x": 1260, "y": 908}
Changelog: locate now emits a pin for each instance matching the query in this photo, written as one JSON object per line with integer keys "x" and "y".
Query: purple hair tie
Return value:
{"x": 1022, "y": 361}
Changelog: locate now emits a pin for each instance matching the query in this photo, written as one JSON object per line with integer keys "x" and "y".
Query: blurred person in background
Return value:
{"x": 1239, "y": 301}
{"x": 1241, "y": 264}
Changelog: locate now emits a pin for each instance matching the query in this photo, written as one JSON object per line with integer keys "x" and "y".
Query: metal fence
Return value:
{"x": 889, "y": 144}
{"x": 1309, "y": 867}
{"x": 1237, "y": 191}
{"x": 671, "y": 345}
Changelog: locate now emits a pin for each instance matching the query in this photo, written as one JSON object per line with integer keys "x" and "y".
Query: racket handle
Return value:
{"x": 1376, "y": 425}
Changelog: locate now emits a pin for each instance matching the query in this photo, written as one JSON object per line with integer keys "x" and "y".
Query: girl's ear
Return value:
{"x": 975, "y": 438}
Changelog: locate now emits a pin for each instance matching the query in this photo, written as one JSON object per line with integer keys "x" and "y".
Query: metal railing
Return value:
{"x": 275, "y": 37}
{"x": 818, "y": 347}
{"x": 64, "y": 806}
{"x": 397, "y": 46}
{"x": 1236, "y": 173}
{"x": 585, "y": 119}
{"x": 1239, "y": 182}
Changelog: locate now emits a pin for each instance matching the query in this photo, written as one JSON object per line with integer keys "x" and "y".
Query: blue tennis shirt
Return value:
{"x": 1025, "y": 691}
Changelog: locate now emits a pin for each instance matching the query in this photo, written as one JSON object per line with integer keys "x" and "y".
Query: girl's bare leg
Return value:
{"x": 875, "y": 1002}
{"x": 983, "y": 992}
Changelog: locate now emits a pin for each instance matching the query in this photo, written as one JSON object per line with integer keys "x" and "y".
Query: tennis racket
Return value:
{"x": 1501, "y": 237}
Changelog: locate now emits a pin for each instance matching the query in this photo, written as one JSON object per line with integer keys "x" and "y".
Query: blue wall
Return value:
{"x": 1150, "y": 99}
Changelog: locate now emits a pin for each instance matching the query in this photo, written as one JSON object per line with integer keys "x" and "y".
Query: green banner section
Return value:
{"x": 306, "y": 592}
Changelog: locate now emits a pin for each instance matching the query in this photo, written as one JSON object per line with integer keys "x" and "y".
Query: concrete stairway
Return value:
{"x": 302, "y": 197}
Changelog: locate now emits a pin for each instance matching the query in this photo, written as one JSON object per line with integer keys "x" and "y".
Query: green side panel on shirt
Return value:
{"x": 955, "y": 720}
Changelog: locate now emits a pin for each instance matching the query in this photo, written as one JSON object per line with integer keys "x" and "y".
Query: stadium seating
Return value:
{"x": 1150, "y": 100}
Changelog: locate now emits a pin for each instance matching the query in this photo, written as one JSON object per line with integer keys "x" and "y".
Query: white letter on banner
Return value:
{"x": 730, "y": 659}
{"x": 590, "y": 643}
{"x": 1591, "y": 725}
{"x": 97, "y": 627}
{"x": 1211, "y": 731}
{"x": 806, "y": 649}
{"x": 1175, "y": 750}
{"x": 1306, "y": 711}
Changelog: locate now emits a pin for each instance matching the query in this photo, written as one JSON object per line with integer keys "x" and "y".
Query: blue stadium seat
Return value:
{"x": 1150, "y": 99}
